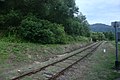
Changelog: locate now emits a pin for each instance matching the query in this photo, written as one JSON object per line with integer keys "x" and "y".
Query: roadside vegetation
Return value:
{"x": 15, "y": 55}
{"x": 102, "y": 64}
{"x": 26, "y": 25}
{"x": 36, "y": 30}
{"x": 46, "y": 22}
{"x": 108, "y": 36}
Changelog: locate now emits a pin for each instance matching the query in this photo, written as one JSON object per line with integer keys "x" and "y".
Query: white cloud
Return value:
{"x": 103, "y": 11}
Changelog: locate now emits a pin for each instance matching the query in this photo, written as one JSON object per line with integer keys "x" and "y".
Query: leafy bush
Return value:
{"x": 70, "y": 38}
{"x": 42, "y": 31}
{"x": 109, "y": 35}
{"x": 12, "y": 39}
{"x": 97, "y": 36}
{"x": 13, "y": 19}
{"x": 2, "y": 22}
{"x": 80, "y": 38}
{"x": 77, "y": 39}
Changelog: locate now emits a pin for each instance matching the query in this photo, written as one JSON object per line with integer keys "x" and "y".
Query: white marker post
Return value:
{"x": 104, "y": 50}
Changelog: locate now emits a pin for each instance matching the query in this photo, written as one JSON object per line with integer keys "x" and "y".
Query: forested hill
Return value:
{"x": 43, "y": 21}
{"x": 99, "y": 27}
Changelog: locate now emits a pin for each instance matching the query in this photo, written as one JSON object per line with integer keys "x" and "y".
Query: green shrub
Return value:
{"x": 13, "y": 19}
{"x": 12, "y": 39}
{"x": 97, "y": 36}
{"x": 77, "y": 38}
{"x": 109, "y": 35}
{"x": 80, "y": 38}
{"x": 42, "y": 31}
{"x": 2, "y": 22}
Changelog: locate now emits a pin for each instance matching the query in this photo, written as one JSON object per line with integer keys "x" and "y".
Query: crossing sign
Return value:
{"x": 115, "y": 24}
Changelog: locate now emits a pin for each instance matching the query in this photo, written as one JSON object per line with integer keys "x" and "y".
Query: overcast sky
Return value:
{"x": 100, "y": 11}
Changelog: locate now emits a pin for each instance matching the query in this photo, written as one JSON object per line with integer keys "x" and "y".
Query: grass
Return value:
{"x": 102, "y": 64}
{"x": 15, "y": 54}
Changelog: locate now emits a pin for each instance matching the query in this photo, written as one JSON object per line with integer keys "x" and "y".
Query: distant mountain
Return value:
{"x": 99, "y": 27}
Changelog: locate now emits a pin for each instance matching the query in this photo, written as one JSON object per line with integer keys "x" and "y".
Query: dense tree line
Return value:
{"x": 99, "y": 36}
{"x": 43, "y": 20}
{"x": 109, "y": 35}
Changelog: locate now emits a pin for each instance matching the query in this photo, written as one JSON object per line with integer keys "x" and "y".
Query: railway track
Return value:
{"x": 57, "y": 68}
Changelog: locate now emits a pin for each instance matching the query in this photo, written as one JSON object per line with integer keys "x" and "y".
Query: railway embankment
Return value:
{"x": 17, "y": 55}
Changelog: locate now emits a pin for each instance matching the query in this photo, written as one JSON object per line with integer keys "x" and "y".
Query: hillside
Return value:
{"x": 99, "y": 27}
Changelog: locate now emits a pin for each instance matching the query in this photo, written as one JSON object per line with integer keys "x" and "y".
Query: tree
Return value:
{"x": 97, "y": 36}
{"x": 109, "y": 35}
{"x": 77, "y": 26}
{"x": 56, "y": 12}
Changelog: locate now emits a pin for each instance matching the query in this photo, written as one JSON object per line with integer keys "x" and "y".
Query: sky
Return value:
{"x": 100, "y": 11}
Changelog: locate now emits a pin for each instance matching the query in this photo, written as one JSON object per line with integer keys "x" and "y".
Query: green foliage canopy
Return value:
{"x": 97, "y": 36}
{"x": 53, "y": 19}
{"x": 42, "y": 31}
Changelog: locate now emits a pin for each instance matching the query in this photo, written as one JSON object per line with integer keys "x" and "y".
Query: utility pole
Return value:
{"x": 116, "y": 25}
